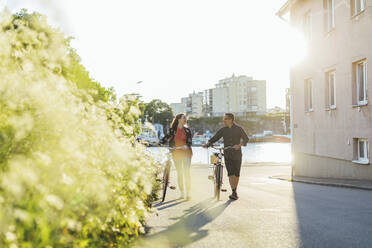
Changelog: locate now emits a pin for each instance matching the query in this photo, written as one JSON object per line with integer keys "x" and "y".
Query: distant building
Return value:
{"x": 239, "y": 95}
{"x": 196, "y": 104}
{"x": 220, "y": 103}
{"x": 178, "y": 108}
{"x": 191, "y": 105}
{"x": 187, "y": 102}
{"x": 208, "y": 103}
{"x": 330, "y": 110}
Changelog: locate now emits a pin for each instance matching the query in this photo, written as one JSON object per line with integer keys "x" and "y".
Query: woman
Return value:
{"x": 179, "y": 135}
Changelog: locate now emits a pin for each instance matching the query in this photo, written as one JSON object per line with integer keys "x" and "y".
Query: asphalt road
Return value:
{"x": 269, "y": 213}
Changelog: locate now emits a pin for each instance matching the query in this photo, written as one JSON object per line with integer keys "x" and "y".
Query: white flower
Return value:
{"x": 10, "y": 236}
{"x": 54, "y": 201}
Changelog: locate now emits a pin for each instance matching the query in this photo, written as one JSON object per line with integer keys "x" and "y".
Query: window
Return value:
{"x": 330, "y": 10}
{"x": 357, "y": 6}
{"x": 308, "y": 94}
{"x": 331, "y": 89}
{"x": 307, "y": 26}
{"x": 361, "y": 150}
{"x": 360, "y": 82}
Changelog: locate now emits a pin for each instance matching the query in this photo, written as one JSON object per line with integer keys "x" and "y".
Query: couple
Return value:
{"x": 179, "y": 135}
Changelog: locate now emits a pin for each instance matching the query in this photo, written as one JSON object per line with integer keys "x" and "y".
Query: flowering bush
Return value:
{"x": 69, "y": 174}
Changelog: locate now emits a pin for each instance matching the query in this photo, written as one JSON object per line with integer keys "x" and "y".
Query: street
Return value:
{"x": 269, "y": 213}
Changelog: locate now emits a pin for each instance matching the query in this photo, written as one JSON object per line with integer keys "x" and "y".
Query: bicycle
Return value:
{"x": 216, "y": 160}
{"x": 166, "y": 171}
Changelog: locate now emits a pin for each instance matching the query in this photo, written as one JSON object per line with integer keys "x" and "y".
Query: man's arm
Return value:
{"x": 244, "y": 137}
{"x": 215, "y": 138}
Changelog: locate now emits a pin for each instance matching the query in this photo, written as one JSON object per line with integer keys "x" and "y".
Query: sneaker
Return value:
{"x": 234, "y": 196}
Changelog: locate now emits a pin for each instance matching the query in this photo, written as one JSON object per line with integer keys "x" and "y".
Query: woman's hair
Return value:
{"x": 174, "y": 123}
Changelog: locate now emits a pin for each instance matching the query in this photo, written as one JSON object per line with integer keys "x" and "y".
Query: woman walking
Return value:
{"x": 179, "y": 136}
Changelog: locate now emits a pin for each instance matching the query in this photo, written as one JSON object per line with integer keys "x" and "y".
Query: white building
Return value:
{"x": 178, "y": 108}
{"x": 191, "y": 105}
{"x": 196, "y": 104}
{"x": 220, "y": 100}
{"x": 239, "y": 95}
{"x": 208, "y": 103}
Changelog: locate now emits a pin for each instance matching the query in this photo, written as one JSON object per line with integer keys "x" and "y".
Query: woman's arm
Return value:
{"x": 166, "y": 137}
{"x": 189, "y": 137}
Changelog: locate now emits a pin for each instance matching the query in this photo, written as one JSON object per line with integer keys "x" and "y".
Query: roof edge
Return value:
{"x": 285, "y": 8}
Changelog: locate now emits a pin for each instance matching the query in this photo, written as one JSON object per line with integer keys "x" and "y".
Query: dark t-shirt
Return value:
{"x": 231, "y": 136}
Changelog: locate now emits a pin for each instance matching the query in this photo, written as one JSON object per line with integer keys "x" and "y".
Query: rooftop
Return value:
{"x": 286, "y": 7}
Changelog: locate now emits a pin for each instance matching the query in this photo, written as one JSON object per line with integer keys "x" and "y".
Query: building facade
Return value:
{"x": 178, "y": 108}
{"x": 186, "y": 101}
{"x": 196, "y": 104}
{"x": 239, "y": 95}
{"x": 221, "y": 102}
{"x": 192, "y": 105}
{"x": 331, "y": 116}
{"x": 208, "y": 103}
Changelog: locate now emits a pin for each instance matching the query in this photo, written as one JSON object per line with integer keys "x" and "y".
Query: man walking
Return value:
{"x": 233, "y": 135}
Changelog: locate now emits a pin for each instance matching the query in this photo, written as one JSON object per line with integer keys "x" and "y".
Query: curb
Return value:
{"x": 342, "y": 185}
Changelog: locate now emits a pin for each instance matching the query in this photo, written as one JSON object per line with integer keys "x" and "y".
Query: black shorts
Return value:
{"x": 233, "y": 166}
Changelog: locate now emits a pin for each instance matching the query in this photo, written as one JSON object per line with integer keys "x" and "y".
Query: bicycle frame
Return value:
{"x": 218, "y": 171}
{"x": 166, "y": 171}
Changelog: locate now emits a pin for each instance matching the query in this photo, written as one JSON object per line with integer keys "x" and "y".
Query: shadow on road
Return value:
{"x": 171, "y": 205}
{"x": 163, "y": 203}
{"x": 187, "y": 229}
{"x": 333, "y": 217}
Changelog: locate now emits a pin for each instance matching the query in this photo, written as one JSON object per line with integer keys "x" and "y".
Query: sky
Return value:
{"x": 176, "y": 47}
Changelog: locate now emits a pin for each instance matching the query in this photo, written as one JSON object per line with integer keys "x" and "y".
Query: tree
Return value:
{"x": 158, "y": 112}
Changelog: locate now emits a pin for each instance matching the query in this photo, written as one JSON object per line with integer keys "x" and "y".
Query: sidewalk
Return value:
{"x": 348, "y": 183}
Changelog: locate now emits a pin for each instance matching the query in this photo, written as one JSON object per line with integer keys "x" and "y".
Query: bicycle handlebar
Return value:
{"x": 175, "y": 148}
{"x": 220, "y": 148}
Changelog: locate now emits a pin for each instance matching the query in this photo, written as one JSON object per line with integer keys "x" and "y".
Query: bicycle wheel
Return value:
{"x": 165, "y": 180}
{"x": 219, "y": 185}
{"x": 218, "y": 181}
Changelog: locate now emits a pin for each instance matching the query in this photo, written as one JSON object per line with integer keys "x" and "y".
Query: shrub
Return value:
{"x": 69, "y": 176}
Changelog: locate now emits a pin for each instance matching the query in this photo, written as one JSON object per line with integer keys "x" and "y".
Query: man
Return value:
{"x": 233, "y": 135}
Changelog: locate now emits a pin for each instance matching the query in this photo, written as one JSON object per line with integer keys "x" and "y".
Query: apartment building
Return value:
{"x": 331, "y": 114}
{"x": 192, "y": 104}
{"x": 239, "y": 95}
{"x": 178, "y": 108}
